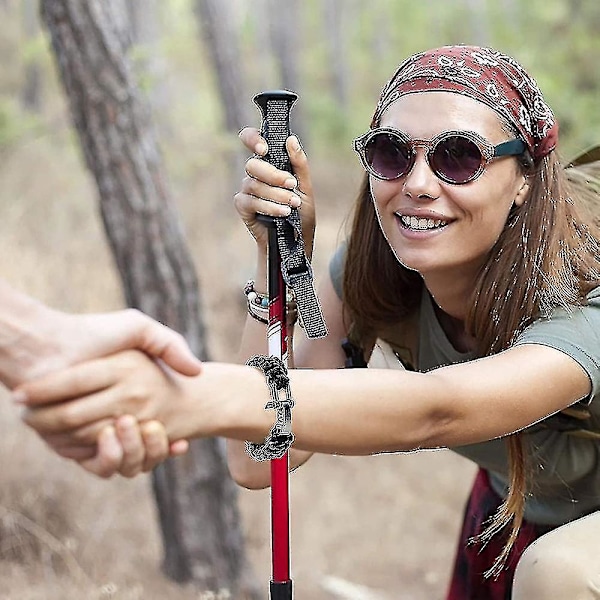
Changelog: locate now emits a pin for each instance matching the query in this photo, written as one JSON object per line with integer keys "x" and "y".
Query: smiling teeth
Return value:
{"x": 421, "y": 224}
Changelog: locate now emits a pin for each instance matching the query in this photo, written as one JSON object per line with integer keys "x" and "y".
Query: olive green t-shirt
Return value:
{"x": 565, "y": 482}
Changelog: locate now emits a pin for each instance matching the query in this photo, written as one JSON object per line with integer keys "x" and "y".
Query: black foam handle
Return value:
{"x": 275, "y": 107}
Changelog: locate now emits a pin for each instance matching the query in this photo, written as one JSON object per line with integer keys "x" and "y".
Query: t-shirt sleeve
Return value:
{"x": 576, "y": 332}
{"x": 336, "y": 268}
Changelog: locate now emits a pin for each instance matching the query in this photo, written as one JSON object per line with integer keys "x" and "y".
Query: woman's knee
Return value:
{"x": 561, "y": 564}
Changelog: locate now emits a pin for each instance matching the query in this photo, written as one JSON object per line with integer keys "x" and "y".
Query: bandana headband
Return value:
{"x": 483, "y": 74}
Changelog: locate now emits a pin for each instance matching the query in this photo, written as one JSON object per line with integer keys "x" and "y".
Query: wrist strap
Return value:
{"x": 298, "y": 275}
{"x": 280, "y": 438}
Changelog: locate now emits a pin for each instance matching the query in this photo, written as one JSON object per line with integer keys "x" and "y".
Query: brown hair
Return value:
{"x": 550, "y": 247}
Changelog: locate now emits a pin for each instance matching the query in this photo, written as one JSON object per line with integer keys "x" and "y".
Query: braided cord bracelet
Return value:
{"x": 280, "y": 438}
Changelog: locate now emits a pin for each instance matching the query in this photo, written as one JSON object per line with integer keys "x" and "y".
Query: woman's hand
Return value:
{"x": 70, "y": 408}
{"x": 270, "y": 191}
{"x": 124, "y": 446}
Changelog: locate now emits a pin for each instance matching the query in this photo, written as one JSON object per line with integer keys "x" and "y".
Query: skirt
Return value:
{"x": 472, "y": 561}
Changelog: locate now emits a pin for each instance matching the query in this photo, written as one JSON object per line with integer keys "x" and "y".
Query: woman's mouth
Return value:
{"x": 420, "y": 224}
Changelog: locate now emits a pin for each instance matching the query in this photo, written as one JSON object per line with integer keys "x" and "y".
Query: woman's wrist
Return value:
{"x": 233, "y": 411}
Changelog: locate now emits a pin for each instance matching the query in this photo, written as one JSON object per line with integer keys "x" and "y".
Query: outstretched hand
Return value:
{"x": 69, "y": 408}
{"x": 107, "y": 414}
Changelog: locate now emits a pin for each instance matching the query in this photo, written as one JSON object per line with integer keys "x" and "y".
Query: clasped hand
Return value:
{"x": 112, "y": 414}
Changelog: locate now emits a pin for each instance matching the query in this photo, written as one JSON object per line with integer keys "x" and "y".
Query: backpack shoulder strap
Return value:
{"x": 402, "y": 337}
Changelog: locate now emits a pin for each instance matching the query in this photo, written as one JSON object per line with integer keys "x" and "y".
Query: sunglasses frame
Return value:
{"x": 488, "y": 151}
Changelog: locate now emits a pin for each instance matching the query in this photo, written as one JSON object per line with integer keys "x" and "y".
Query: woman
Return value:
{"x": 468, "y": 257}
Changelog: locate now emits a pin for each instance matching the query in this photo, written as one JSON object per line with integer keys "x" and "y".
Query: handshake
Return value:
{"x": 65, "y": 371}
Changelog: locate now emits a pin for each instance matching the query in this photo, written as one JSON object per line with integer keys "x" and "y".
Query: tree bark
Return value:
{"x": 32, "y": 85}
{"x": 196, "y": 499}
{"x": 336, "y": 16}
{"x": 145, "y": 22}
{"x": 284, "y": 22}
{"x": 218, "y": 32}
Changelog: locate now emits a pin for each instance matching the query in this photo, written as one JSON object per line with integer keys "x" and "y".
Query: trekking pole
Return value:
{"x": 287, "y": 268}
{"x": 275, "y": 107}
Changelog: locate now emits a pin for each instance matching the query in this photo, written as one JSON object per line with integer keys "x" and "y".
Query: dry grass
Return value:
{"x": 387, "y": 523}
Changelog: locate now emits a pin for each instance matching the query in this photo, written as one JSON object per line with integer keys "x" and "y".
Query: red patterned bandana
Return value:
{"x": 485, "y": 75}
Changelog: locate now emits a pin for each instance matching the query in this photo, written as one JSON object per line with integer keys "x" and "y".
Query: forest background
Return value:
{"x": 362, "y": 528}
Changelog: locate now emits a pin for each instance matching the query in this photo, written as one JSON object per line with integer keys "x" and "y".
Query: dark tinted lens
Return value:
{"x": 456, "y": 159}
{"x": 388, "y": 156}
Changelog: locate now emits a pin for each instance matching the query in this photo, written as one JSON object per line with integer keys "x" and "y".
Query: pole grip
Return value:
{"x": 275, "y": 107}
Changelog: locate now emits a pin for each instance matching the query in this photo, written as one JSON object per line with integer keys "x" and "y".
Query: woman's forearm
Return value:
{"x": 351, "y": 412}
{"x": 366, "y": 411}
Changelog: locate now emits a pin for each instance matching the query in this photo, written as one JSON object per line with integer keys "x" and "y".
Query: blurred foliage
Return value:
{"x": 556, "y": 40}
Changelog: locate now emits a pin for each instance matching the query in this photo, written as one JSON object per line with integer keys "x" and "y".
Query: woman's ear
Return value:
{"x": 523, "y": 192}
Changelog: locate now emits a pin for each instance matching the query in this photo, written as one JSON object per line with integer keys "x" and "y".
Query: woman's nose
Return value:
{"x": 421, "y": 181}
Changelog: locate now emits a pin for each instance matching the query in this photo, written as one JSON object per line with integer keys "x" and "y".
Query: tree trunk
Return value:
{"x": 219, "y": 34}
{"x": 336, "y": 15}
{"x": 32, "y": 85}
{"x": 284, "y": 22}
{"x": 145, "y": 21}
{"x": 196, "y": 498}
{"x": 218, "y": 31}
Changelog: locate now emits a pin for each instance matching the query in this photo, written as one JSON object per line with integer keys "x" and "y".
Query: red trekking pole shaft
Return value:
{"x": 275, "y": 107}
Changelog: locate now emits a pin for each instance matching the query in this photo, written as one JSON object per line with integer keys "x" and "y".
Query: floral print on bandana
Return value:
{"x": 483, "y": 74}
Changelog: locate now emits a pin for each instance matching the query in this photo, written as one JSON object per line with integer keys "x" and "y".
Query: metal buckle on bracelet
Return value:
{"x": 280, "y": 438}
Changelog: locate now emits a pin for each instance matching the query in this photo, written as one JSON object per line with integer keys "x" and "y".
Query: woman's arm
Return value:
{"x": 324, "y": 353}
{"x": 264, "y": 190}
{"x": 358, "y": 411}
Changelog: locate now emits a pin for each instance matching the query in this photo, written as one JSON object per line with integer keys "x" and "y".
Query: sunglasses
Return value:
{"x": 454, "y": 156}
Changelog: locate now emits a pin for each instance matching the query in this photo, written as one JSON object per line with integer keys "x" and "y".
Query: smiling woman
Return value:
{"x": 469, "y": 282}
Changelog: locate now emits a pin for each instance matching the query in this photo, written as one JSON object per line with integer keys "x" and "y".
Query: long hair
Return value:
{"x": 547, "y": 256}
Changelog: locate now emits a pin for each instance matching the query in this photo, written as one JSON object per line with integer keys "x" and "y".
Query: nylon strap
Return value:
{"x": 298, "y": 274}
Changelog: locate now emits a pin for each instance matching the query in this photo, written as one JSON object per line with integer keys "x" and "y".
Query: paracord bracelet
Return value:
{"x": 280, "y": 438}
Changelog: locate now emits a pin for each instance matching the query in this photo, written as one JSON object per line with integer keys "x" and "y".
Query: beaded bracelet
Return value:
{"x": 280, "y": 438}
{"x": 258, "y": 305}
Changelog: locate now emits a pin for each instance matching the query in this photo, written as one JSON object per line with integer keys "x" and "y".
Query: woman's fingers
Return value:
{"x": 262, "y": 170}
{"x": 125, "y": 383}
{"x": 109, "y": 456}
{"x": 75, "y": 418}
{"x": 133, "y": 445}
{"x": 179, "y": 448}
{"x": 156, "y": 444}
{"x": 252, "y": 139}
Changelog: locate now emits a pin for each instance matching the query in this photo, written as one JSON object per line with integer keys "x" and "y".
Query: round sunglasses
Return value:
{"x": 454, "y": 156}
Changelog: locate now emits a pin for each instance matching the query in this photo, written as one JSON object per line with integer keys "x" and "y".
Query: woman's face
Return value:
{"x": 473, "y": 214}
